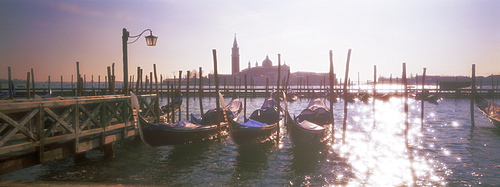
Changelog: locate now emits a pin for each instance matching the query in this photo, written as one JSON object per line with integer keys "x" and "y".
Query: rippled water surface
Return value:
{"x": 445, "y": 151}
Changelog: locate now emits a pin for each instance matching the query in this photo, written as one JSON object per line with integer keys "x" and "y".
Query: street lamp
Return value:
{"x": 150, "y": 41}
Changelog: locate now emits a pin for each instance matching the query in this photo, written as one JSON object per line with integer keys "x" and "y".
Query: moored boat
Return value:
{"x": 489, "y": 109}
{"x": 261, "y": 127}
{"x": 173, "y": 106}
{"x": 191, "y": 131}
{"x": 310, "y": 127}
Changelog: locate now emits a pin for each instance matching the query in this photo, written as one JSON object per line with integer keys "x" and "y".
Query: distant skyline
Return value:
{"x": 446, "y": 37}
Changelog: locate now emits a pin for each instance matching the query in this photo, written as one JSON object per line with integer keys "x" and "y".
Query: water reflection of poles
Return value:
{"x": 344, "y": 124}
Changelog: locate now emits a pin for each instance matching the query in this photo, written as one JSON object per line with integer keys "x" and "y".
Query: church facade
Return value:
{"x": 266, "y": 72}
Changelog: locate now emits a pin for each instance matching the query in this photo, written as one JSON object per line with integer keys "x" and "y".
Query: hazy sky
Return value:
{"x": 444, "y": 36}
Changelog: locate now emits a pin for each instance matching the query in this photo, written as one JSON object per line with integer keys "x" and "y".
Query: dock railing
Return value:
{"x": 34, "y": 131}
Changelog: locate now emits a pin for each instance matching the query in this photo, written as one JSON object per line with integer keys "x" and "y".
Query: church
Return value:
{"x": 257, "y": 74}
{"x": 267, "y": 71}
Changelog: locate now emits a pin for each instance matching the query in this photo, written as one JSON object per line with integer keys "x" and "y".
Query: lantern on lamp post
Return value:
{"x": 150, "y": 41}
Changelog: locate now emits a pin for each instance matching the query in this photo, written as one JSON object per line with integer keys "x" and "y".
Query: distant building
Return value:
{"x": 235, "y": 57}
{"x": 258, "y": 75}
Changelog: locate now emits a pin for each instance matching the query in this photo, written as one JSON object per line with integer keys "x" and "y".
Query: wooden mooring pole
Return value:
{"x": 218, "y": 111}
{"x": 344, "y": 123}
{"x": 245, "y": 99}
{"x": 187, "y": 94}
{"x": 331, "y": 95}
{"x": 405, "y": 84}
{"x": 179, "y": 90}
{"x": 157, "y": 102}
{"x": 33, "y": 82}
{"x": 200, "y": 91}
{"x": 473, "y": 94}
{"x": 374, "y": 94}
{"x": 28, "y": 85}
{"x": 422, "y": 101}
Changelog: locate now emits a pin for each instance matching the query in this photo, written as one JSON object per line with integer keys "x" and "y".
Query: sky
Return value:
{"x": 445, "y": 36}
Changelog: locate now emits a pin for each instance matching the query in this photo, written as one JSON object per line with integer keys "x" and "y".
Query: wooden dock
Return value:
{"x": 34, "y": 131}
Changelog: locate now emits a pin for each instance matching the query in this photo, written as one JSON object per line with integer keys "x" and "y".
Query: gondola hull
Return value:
{"x": 156, "y": 135}
{"x": 190, "y": 132}
{"x": 305, "y": 136}
{"x": 249, "y": 135}
{"x": 489, "y": 109}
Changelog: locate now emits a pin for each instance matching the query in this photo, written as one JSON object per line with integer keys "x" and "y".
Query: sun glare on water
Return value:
{"x": 378, "y": 152}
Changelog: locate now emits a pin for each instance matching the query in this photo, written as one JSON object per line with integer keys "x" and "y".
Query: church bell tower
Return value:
{"x": 235, "y": 57}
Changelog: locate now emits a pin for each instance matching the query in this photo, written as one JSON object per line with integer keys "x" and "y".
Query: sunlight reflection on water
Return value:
{"x": 378, "y": 152}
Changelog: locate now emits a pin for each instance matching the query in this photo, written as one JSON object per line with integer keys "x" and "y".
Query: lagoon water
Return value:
{"x": 447, "y": 151}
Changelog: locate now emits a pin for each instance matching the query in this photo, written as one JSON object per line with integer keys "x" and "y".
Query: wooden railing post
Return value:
{"x": 76, "y": 126}
{"x": 40, "y": 133}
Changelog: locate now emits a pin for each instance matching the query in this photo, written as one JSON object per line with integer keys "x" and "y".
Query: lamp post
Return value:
{"x": 150, "y": 41}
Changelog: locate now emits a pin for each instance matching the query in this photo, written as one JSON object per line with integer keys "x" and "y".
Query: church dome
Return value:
{"x": 267, "y": 62}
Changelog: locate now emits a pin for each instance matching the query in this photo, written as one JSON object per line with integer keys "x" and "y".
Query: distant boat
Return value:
{"x": 364, "y": 97}
{"x": 489, "y": 109}
{"x": 172, "y": 107}
{"x": 48, "y": 95}
{"x": 431, "y": 98}
{"x": 261, "y": 126}
{"x": 291, "y": 96}
{"x": 7, "y": 94}
{"x": 188, "y": 132}
{"x": 309, "y": 128}
{"x": 331, "y": 98}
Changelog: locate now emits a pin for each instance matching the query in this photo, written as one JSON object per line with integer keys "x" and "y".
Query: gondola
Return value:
{"x": 489, "y": 109}
{"x": 259, "y": 128}
{"x": 310, "y": 127}
{"x": 431, "y": 98}
{"x": 291, "y": 96}
{"x": 191, "y": 131}
{"x": 173, "y": 106}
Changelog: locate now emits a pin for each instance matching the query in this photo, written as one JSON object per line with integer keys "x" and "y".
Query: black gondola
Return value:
{"x": 489, "y": 109}
{"x": 194, "y": 131}
{"x": 261, "y": 126}
{"x": 310, "y": 127}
